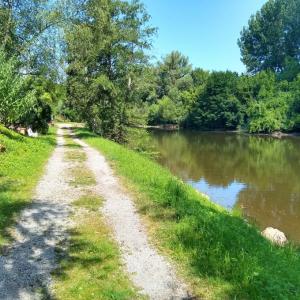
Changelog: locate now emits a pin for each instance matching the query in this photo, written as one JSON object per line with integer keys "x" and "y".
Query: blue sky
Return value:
{"x": 205, "y": 30}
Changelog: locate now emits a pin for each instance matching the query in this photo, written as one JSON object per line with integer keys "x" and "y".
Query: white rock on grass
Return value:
{"x": 275, "y": 236}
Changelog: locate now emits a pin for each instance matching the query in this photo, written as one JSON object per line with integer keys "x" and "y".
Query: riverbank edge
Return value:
{"x": 220, "y": 254}
{"x": 176, "y": 127}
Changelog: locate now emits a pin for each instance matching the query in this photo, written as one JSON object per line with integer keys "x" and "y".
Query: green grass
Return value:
{"x": 21, "y": 166}
{"x": 81, "y": 176}
{"x": 73, "y": 155}
{"x": 70, "y": 143}
{"x": 90, "y": 202}
{"x": 92, "y": 269}
{"x": 221, "y": 255}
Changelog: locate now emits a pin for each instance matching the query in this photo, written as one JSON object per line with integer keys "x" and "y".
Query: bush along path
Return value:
{"x": 82, "y": 238}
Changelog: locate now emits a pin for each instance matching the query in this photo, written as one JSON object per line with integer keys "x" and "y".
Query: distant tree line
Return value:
{"x": 88, "y": 60}
{"x": 263, "y": 100}
{"x": 260, "y": 103}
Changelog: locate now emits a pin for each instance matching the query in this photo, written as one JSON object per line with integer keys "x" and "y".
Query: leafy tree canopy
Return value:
{"x": 272, "y": 36}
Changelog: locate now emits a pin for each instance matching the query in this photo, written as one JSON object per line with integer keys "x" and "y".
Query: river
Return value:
{"x": 259, "y": 175}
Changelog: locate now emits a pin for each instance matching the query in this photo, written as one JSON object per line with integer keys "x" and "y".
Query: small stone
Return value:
{"x": 275, "y": 236}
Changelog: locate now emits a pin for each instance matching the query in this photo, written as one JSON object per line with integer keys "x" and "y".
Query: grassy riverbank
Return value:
{"x": 220, "y": 254}
{"x": 21, "y": 166}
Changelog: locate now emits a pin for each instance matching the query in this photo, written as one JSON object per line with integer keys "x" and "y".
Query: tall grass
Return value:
{"x": 21, "y": 165}
{"x": 222, "y": 256}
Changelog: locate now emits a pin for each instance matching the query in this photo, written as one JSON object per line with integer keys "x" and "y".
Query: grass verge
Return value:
{"x": 222, "y": 256}
{"x": 21, "y": 166}
{"x": 92, "y": 269}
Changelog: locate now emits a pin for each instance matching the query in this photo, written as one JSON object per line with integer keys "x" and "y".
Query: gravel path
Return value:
{"x": 149, "y": 271}
{"x": 25, "y": 270}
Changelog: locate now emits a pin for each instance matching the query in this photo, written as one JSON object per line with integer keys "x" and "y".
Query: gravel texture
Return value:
{"x": 26, "y": 267}
{"x": 149, "y": 271}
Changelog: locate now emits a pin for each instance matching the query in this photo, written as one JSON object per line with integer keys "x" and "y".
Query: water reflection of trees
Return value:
{"x": 268, "y": 166}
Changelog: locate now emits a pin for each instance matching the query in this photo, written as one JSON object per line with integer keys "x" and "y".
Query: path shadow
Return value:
{"x": 25, "y": 267}
{"x": 9, "y": 205}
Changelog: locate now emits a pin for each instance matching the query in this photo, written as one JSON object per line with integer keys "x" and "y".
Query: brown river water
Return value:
{"x": 259, "y": 175}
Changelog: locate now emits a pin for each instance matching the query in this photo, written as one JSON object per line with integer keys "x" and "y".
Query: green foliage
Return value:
{"x": 139, "y": 140}
{"x": 20, "y": 168}
{"x": 145, "y": 86}
{"x": 224, "y": 257}
{"x": 30, "y": 32}
{"x": 177, "y": 87}
{"x": 217, "y": 107}
{"x": 29, "y": 61}
{"x": 164, "y": 112}
{"x": 294, "y": 108}
{"x": 200, "y": 77}
{"x": 269, "y": 115}
{"x": 15, "y": 99}
{"x": 290, "y": 70}
{"x": 173, "y": 72}
{"x": 105, "y": 47}
{"x": 46, "y": 100}
{"x": 137, "y": 114}
{"x": 272, "y": 36}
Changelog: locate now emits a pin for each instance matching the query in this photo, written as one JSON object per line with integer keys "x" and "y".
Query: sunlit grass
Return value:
{"x": 21, "y": 166}
{"x": 75, "y": 155}
{"x": 81, "y": 176}
{"x": 69, "y": 141}
{"x": 90, "y": 202}
{"x": 221, "y": 255}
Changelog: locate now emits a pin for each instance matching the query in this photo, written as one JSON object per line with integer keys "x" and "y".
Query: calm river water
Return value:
{"x": 260, "y": 175}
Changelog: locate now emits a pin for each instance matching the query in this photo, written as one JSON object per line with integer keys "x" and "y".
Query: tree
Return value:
{"x": 291, "y": 69}
{"x": 268, "y": 116}
{"x": 217, "y": 107}
{"x": 294, "y": 109}
{"x": 174, "y": 90}
{"x": 105, "y": 47}
{"x": 272, "y": 35}
{"x": 15, "y": 99}
{"x": 48, "y": 96}
{"x": 200, "y": 77}
{"x": 265, "y": 102}
{"x": 174, "y": 72}
{"x": 144, "y": 94}
{"x": 30, "y": 33}
{"x": 30, "y": 41}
